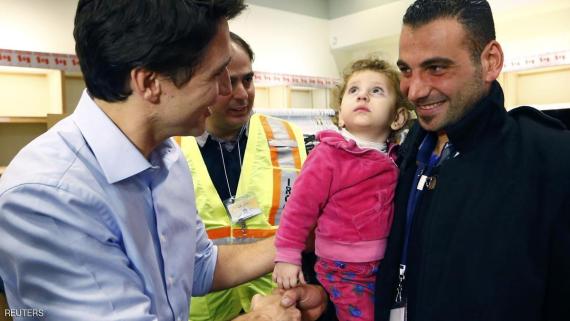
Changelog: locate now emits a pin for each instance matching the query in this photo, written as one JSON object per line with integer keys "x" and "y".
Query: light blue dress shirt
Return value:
{"x": 92, "y": 230}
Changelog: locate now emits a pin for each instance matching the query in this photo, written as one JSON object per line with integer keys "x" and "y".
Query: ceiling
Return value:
{"x": 332, "y": 9}
{"x": 324, "y": 9}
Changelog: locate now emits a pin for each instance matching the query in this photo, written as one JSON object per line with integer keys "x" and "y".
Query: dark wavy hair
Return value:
{"x": 169, "y": 37}
{"x": 475, "y": 16}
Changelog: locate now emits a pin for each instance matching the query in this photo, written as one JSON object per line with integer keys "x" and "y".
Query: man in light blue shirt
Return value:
{"x": 97, "y": 216}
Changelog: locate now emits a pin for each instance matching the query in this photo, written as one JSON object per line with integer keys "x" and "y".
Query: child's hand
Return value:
{"x": 287, "y": 275}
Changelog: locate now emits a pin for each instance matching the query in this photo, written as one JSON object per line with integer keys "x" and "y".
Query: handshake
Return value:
{"x": 305, "y": 302}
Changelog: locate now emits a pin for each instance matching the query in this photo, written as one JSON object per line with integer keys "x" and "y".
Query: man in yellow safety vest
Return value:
{"x": 243, "y": 169}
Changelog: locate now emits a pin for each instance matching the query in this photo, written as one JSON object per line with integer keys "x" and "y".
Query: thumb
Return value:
{"x": 254, "y": 301}
{"x": 312, "y": 302}
{"x": 310, "y": 299}
{"x": 306, "y": 296}
{"x": 291, "y": 296}
{"x": 310, "y": 296}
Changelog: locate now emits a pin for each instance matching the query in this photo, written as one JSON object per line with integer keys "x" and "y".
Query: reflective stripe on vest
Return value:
{"x": 284, "y": 153}
{"x": 221, "y": 235}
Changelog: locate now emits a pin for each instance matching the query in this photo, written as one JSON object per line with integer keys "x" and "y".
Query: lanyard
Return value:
{"x": 421, "y": 180}
{"x": 427, "y": 162}
{"x": 232, "y": 197}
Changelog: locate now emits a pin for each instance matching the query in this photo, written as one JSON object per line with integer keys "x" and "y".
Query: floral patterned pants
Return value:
{"x": 350, "y": 286}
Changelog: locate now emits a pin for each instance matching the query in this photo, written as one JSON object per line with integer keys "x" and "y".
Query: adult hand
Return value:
{"x": 310, "y": 299}
{"x": 269, "y": 308}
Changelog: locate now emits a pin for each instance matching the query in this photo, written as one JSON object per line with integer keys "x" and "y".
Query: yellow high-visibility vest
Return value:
{"x": 273, "y": 157}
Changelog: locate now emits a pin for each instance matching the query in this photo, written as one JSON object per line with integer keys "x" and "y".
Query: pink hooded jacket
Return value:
{"x": 348, "y": 193}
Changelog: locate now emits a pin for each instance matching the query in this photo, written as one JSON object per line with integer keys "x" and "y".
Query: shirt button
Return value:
{"x": 170, "y": 281}
{"x": 179, "y": 319}
{"x": 162, "y": 238}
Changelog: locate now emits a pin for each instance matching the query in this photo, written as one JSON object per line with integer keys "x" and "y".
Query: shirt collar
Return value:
{"x": 484, "y": 121}
{"x": 117, "y": 156}
{"x": 202, "y": 139}
{"x": 381, "y": 147}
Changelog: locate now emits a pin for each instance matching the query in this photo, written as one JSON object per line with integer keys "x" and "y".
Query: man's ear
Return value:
{"x": 492, "y": 60}
{"x": 146, "y": 84}
{"x": 400, "y": 119}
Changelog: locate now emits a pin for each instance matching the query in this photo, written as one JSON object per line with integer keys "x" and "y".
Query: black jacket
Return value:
{"x": 491, "y": 241}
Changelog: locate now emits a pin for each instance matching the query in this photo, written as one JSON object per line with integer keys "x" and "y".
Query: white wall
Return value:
{"x": 367, "y": 25}
{"x": 291, "y": 43}
{"x": 538, "y": 29}
{"x": 372, "y": 32}
{"x": 524, "y": 28}
{"x": 37, "y": 25}
{"x": 283, "y": 42}
{"x": 286, "y": 42}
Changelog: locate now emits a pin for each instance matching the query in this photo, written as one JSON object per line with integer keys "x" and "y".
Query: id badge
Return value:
{"x": 242, "y": 208}
{"x": 399, "y": 311}
{"x": 398, "y": 314}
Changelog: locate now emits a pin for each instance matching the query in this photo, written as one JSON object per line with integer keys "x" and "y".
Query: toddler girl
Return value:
{"x": 346, "y": 189}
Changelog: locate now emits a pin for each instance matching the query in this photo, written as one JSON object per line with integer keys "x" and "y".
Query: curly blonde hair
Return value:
{"x": 377, "y": 65}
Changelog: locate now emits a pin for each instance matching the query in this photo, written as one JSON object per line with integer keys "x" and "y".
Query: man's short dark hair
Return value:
{"x": 169, "y": 37}
{"x": 243, "y": 44}
{"x": 475, "y": 16}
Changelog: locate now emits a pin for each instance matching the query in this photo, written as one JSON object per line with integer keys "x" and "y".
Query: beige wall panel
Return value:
{"x": 24, "y": 94}
{"x": 55, "y": 84}
{"x": 321, "y": 98}
{"x": 543, "y": 87}
{"x": 74, "y": 86}
{"x": 508, "y": 81}
{"x": 279, "y": 97}
{"x": 301, "y": 98}
{"x": 15, "y": 136}
{"x": 261, "y": 97}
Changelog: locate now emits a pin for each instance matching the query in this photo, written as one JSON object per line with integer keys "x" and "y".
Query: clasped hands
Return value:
{"x": 305, "y": 302}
